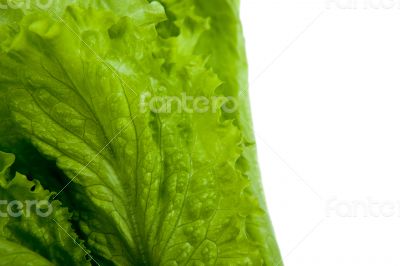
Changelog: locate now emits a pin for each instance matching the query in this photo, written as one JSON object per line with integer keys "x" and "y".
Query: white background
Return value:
{"x": 325, "y": 90}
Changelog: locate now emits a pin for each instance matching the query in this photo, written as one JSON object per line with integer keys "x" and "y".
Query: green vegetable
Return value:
{"x": 130, "y": 184}
{"x": 28, "y": 233}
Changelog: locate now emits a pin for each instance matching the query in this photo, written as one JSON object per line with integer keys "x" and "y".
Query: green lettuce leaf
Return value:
{"x": 33, "y": 229}
{"x": 145, "y": 187}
